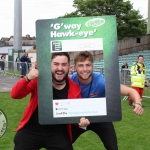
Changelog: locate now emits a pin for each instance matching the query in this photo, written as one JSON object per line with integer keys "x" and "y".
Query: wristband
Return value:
{"x": 83, "y": 127}
{"x": 27, "y": 78}
{"x": 138, "y": 104}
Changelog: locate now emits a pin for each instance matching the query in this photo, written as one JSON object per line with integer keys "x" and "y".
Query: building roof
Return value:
{"x": 5, "y": 39}
{"x": 27, "y": 37}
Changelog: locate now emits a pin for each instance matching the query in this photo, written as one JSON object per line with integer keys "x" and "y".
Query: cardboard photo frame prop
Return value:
{"x": 72, "y": 35}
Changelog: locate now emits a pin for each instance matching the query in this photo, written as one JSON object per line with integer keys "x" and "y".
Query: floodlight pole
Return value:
{"x": 148, "y": 23}
{"x": 17, "y": 44}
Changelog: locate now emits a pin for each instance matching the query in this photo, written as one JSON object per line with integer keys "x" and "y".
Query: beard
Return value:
{"x": 59, "y": 80}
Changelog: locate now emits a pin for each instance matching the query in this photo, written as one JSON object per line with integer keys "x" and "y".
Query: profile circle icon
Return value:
{"x": 3, "y": 123}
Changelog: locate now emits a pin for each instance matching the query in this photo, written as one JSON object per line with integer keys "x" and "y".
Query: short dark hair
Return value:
{"x": 140, "y": 56}
{"x": 61, "y": 54}
{"x": 82, "y": 56}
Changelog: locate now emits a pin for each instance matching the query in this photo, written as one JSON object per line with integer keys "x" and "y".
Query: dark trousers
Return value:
{"x": 2, "y": 65}
{"x": 104, "y": 130}
{"x": 23, "y": 69}
{"x": 31, "y": 140}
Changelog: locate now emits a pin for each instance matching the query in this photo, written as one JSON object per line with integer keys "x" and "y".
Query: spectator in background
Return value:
{"x": 24, "y": 66}
{"x": 29, "y": 62}
{"x": 2, "y": 58}
{"x": 124, "y": 72}
{"x": 2, "y": 62}
{"x": 124, "y": 66}
{"x": 138, "y": 76}
{"x": 18, "y": 64}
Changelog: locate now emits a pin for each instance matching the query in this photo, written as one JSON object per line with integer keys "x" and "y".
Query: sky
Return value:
{"x": 33, "y": 10}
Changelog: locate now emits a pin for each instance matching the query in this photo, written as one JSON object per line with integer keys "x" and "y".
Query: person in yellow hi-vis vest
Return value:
{"x": 138, "y": 76}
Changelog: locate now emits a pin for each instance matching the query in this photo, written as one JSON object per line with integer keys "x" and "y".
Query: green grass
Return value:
{"x": 12, "y": 73}
{"x": 133, "y": 132}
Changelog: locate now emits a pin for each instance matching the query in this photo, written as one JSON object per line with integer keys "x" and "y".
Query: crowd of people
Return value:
{"x": 83, "y": 83}
{"x": 24, "y": 63}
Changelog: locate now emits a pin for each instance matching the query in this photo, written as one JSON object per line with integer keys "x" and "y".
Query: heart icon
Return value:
{"x": 56, "y": 103}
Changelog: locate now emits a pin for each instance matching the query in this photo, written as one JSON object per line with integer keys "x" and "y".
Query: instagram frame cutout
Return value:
{"x": 96, "y": 34}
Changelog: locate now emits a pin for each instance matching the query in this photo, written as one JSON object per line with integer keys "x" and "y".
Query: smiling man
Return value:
{"x": 93, "y": 86}
{"x": 32, "y": 135}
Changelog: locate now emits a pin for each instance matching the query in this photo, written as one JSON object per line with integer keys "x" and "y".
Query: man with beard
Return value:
{"x": 30, "y": 134}
{"x": 93, "y": 83}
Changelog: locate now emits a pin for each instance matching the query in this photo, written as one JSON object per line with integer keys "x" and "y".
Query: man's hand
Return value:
{"x": 141, "y": 69}
{"x": 138, "y": 109}
{"x": 34, "y": 73}
{"x": 84, "y": 122}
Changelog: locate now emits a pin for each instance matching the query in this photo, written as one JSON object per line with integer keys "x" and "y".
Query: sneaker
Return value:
{"x": 130, "y": 103}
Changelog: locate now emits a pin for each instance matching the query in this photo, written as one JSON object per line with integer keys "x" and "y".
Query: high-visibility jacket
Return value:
{"x": 138, "y": 75}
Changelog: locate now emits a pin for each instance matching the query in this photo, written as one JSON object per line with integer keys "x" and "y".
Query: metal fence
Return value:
{"x": 14, "y": 68}
{"x": 125, "y": 79}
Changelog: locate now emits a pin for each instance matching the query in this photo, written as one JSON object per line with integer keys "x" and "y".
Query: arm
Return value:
{"x": 133, "y": 70}
{"x": 144, "y": 70}
{"x": 21, "y": 89}
{"x": 135, "y": 96}
{"x": 24, "y": 86}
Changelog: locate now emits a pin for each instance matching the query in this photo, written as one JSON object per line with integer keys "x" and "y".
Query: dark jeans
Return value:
{"x": 104, "y": 130}
{"x": 18, "y": 66}
{"x": 2, "y": 65}
{"x": 23, "y": 69}
{"x": 31, "y": 140}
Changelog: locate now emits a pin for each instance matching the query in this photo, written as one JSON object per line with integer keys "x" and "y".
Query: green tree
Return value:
{"x": 129, "y": 21}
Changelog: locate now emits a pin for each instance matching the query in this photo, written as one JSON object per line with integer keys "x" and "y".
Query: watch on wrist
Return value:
{"x": 27, "y": 78}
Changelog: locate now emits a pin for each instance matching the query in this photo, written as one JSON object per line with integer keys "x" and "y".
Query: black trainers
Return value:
{"x": 130, "y": 103}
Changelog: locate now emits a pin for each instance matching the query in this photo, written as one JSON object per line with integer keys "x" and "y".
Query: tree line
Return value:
{"x": 130, "y": 23}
